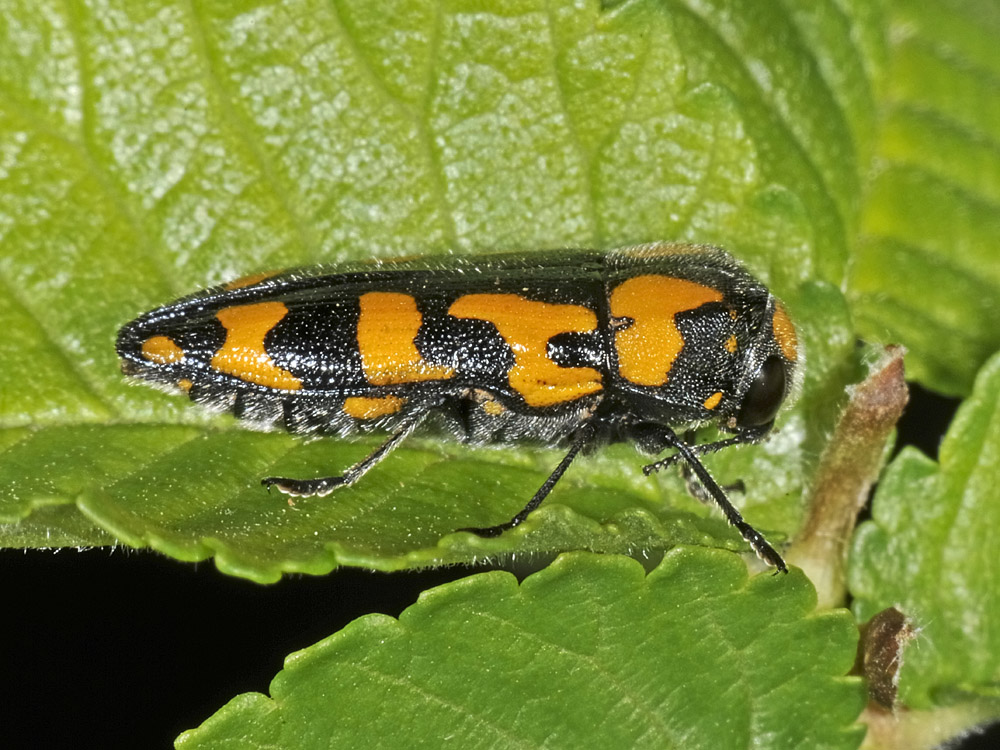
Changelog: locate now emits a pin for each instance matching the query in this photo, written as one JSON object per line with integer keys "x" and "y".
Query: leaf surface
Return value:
{"x": 926, "y": 273}
{"x": 161, "y": 147}
{"x": 693, "y": 656}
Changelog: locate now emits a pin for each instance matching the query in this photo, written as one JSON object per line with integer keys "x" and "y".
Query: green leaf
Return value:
{"x": 148, "y": 149}
{"x": 693, "y": 656}
{"x": 926, "y": 273}
{"x": 931, "y": 551}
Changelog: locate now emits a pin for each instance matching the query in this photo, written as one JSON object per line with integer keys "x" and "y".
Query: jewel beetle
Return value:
{"x": 570, "y": 348}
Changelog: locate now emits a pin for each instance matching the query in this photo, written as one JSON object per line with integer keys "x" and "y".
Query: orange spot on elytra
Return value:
{"x": 731, "y": 345}
{"x": 493, "y": 408}
{"x": 526, "y": 326}
{"x": 243, "y": 355}
{"x": 363, "y": 407}
{"x": 249, "y": 280}
{"x": 161, "y": 350}
{"x": 712, "y": 401}
{"x": 387, "y": 327}
{"x": 647, "y": 349}
{"x": 784, "y": 333}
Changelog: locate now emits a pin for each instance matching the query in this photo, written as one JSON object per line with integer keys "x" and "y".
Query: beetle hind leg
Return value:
{"x": 326, "y": 485}
{"x": 309, "y": 487}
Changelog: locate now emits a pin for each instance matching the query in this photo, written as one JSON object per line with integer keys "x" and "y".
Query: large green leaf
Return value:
{"x": 926, "y": 273}
{"x": 930, "y": 550}
{"x": 149, "y": 149}
{"x": 693, "y": 656}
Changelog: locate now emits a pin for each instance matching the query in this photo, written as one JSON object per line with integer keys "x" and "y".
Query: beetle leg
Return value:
{"x": 747, "y": 436}
{"x": 326, "y": 485}
{"x": 583, "y": 437}
{"x": 698, "y": 492}
{"x": 694, "y": 487}
{"x": 754, "y": 538}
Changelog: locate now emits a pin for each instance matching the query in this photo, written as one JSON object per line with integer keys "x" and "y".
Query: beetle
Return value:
{"x": 571, "y": 348}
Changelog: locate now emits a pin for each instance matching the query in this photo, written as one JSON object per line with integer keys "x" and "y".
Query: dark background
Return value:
{"x": 127, "y": 649}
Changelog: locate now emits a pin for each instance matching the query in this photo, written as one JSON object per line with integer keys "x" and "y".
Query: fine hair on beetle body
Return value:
{"x": 566, "y": 348}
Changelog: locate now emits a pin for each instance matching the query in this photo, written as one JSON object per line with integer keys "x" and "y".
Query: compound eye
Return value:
{"x": 764, "y": 396}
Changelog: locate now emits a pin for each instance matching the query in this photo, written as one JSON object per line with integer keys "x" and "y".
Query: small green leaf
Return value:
{"x": 926, "y": 273}
{"x": 930, "y": 550}
{"x": 695, "y": 655}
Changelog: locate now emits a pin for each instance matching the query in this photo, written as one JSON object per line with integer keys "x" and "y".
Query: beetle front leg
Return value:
{"x": 689, "y": 454}
{"x": 746, "y": 436}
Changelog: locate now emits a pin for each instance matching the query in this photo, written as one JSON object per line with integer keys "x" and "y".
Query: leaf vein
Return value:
{"x": 410, "y": 685}
{"x": 762, "y": 98}
{"x": 239, "y": 128}
{"x": 612, "y": 678}
{"x": 590, "y": 189}
{"x": 51, "y": 342}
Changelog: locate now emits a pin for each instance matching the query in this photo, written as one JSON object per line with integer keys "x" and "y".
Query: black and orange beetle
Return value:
{"x": 571, "y": 348}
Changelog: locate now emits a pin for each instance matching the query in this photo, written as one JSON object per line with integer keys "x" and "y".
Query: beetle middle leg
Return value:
{"x": 582, "y": 438}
